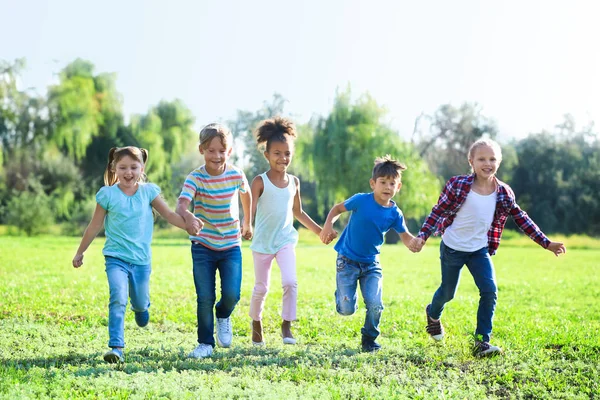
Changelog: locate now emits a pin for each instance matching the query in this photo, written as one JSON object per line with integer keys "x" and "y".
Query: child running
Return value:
{"x": 373, "y": 214}
{"x": 276, "y": 201}
{"x": 125, "y": 209}
{"x": 470, "y": 215}
{"x": 213, "y": 188}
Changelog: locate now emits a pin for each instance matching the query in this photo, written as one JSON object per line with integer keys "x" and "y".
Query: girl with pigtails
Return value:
{"x": 124, "y": 208}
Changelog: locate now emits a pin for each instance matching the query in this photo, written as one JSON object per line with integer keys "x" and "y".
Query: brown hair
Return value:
{"x": 276, "y": 129}
{"x": 387, "y": 167}
{"x": 116, "y": 154}
{"x": 211, "y": 131}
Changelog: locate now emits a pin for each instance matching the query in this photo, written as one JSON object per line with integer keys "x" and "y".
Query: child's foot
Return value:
{"x": 114, "y": 355}
{"x": 201, "y": 351}
{"x": 369, "y": 345}
{"x": 142, "y": 318}
{"x": 257, "y": 333}
{"x": 434, "y": 327}
{"x": 485, "y": 349}
{"x": 286, "y": 332}
{"x": 224, "y": 332}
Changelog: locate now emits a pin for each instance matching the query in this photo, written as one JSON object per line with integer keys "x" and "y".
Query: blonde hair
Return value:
{"x": 116, "y": 154}
{"x": 211, "y": 131}
{"x": 386, "y": 166}
{"x": 486, "y": 142}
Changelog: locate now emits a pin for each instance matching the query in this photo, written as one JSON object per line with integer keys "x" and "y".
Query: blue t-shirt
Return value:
{"x": 129, "y": 222}
{"x": 362, "y": 238}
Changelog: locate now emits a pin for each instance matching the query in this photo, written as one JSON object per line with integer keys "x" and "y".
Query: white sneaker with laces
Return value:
{"x": 201, "y": 351}
{"x": 224, "y": 332}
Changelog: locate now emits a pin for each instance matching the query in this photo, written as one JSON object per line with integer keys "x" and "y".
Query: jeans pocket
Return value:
{"x": 340, "y": 264}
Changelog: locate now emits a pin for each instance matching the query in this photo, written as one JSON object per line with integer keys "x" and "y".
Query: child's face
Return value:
{"x": 215, "y": 155}
{"x": 280, "y": 155}
{"x": 485, "y": 162}
{"x": 384, "y": 188}
{"x": 128, "y": 171}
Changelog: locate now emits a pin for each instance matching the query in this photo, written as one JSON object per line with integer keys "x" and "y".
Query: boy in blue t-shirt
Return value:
{"x": 373, "y": 214}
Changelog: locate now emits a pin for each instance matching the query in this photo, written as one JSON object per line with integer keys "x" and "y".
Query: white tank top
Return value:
{"x": 274, "y": 221}
{"x": 469, "y": 230}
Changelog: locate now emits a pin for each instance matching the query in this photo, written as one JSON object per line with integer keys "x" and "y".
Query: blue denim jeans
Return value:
{"x": 206, "y": 264}
{"x": 125, "y": 280}
{"x": 481, "y": 267}
{"x": 349, "y": 274}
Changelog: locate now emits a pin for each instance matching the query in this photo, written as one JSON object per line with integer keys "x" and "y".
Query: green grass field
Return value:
{"x": 53, "y": 329}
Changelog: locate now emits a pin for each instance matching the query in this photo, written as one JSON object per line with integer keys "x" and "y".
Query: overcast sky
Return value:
{"x": 525, "y": 62}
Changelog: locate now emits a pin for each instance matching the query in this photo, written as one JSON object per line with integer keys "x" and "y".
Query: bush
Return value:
{"x": 29, "y": 212}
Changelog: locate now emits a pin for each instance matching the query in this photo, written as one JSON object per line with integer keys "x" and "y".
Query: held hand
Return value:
{"x": 327, "y": 235}
{"x": 197, "y": 225}
{"x": 192, "y": 226}
{"x": 247, "y": 231}
{"x": 557, "y": 248}
{"x": 78, "y": 260}
{"x": 416, "y": 244}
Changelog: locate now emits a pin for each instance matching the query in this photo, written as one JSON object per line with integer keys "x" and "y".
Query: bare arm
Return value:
{"x": 173, "y": 218}
{"x": 299, "y": 213}
{"x": 183, "y": 209}
{"x": 92, "y": 230}
{"x": 333, "y": 216}
{"x": 407, "y": 239}
{"x": 256, "y": 189}
{"x": 246, "y": 199}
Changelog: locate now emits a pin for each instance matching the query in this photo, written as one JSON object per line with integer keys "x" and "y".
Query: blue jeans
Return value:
{"x": 206, "y": 263}
{"x": 349, "y": 274}
{"x": 481, "y": 267}
{"x": 125, "y": 280}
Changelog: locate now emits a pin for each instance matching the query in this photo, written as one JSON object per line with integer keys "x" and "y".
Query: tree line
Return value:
{"x": 54, "y": 149}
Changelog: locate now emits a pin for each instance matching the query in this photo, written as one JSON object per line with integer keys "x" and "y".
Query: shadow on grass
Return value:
{"x": 225, "y": 360}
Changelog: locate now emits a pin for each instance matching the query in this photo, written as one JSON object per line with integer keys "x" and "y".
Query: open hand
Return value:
{"x": 557, "y": 248}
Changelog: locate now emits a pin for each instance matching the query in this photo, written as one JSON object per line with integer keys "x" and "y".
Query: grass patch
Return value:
{"x": 53, "y": 329}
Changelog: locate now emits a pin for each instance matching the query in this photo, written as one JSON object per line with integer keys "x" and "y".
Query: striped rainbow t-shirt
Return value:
{"x": 216, "y": 204}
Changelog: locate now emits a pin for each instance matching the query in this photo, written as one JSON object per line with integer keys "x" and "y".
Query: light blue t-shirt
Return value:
{"x": 362, "y": 238}
{"x": 129, "y": 222}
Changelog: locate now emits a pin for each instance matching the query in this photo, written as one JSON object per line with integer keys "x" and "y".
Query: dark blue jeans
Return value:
{"x": 481, "y": 267}
{"x": 206, "y": 264}
{"x": 349, "y": 274}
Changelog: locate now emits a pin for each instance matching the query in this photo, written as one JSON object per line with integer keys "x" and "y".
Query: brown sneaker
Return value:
{"x": 434, "y": 328}
{"x": 485, "y": 349}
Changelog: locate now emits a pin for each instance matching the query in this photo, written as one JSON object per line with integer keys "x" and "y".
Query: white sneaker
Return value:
{"x": 224, "y": 333}
{"x": 201, "y": 351}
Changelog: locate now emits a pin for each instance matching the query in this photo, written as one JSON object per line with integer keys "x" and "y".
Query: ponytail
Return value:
{"x": 110, "y": 178}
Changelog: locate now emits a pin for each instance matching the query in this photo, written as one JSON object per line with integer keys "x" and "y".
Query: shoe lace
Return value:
{"x": 224, "y": 325}
{"x": 434, "y": 327}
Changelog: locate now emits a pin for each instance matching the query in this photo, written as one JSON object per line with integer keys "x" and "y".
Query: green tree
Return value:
{"x": 447, "y": 136}
{"x": 345, "y": 146}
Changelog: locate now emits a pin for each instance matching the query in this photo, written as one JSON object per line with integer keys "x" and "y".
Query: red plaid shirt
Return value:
{"x": 454, "y": 195}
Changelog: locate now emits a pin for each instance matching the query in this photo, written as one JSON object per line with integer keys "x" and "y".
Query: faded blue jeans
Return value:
{"x": 349, "y": 274}
{"x": 125, "y": 280}
{"x": 480, "y": 265}
{"x": 206, "y": 264}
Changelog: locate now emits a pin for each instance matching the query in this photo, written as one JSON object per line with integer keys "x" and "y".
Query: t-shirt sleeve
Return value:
{"x": 400, "y": 223}
{"x": 352, "y": 203}
{"x": 153, "y": 191}
{"x": 189, "y": 188}
{"x": 243, "y": 183}
{"x": 103, "y": 197}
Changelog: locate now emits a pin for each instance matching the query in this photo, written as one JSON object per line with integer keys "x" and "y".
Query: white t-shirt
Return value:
{"x": 469, "y": 230}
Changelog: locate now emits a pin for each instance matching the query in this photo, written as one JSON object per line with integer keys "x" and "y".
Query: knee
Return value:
{"x": 260, "y": 290}
{"x": 447, "y": 293}
{"x": 205, "y": 301}
{"x": 491, "y": 294}
{"x": 289, "y": 285}
{"x": 374, "y": 306}
{"x": 345, "y": 306}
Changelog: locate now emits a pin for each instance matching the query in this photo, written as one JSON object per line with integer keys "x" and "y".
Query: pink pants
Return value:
{"x": 286, "y": 259}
